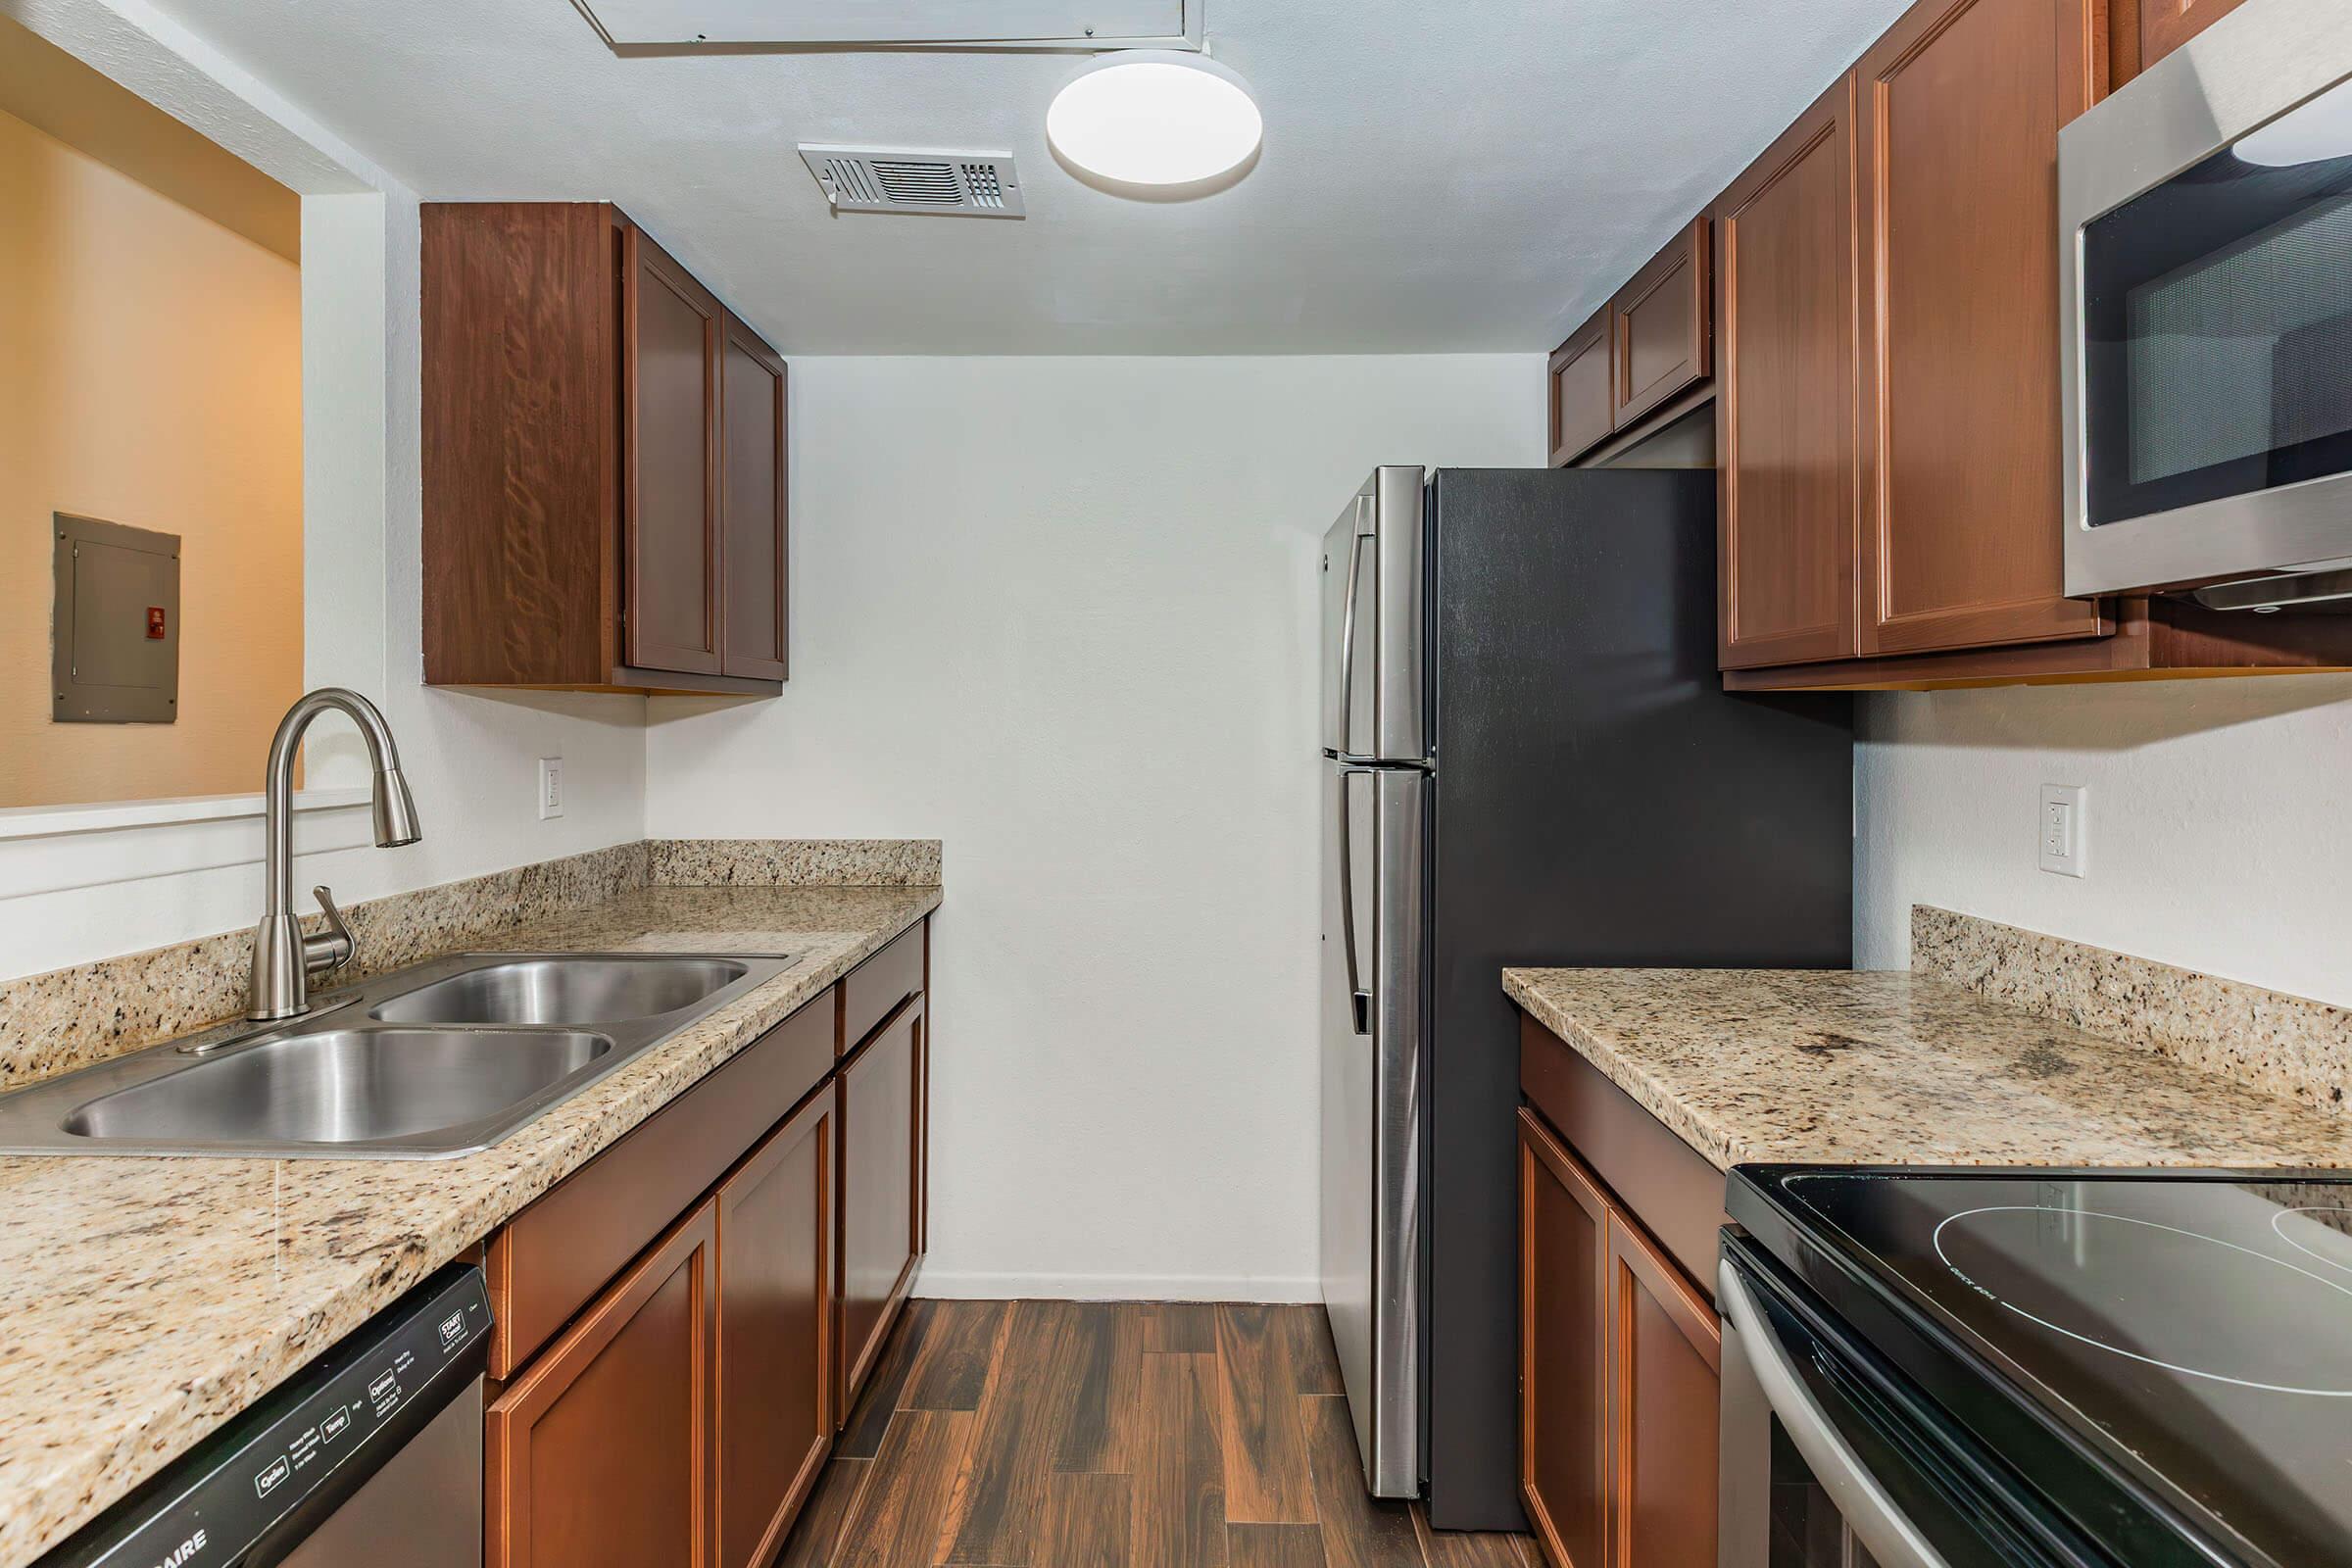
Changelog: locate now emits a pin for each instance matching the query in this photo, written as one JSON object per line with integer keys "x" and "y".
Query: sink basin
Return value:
{"x": 446, "y": 1057}
{"x": 343, "y": 1086}
{"x": 571, "y": 993}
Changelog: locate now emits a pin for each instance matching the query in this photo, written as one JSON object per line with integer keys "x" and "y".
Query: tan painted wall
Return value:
{"x": 149, "y": 374}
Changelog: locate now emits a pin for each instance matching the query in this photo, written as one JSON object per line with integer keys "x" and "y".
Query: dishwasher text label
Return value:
{"x": 186, "y": 1553}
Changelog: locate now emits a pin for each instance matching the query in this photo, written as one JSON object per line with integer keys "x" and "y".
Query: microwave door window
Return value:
{"x": 2217, "y": 314}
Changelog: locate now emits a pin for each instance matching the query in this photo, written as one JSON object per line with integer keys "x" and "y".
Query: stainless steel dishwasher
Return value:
{"x": 368, "y": 1457}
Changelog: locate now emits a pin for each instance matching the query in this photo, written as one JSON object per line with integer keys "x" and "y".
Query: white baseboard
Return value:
{"x": 962, "y": 1285}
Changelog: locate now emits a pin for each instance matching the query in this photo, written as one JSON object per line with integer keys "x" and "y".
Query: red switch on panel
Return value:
{"x": 154, "y": 623}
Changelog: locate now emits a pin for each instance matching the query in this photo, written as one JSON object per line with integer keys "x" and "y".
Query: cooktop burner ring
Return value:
{"x": 2038, "y": 1211}
{"x": 2279, "y": 1230}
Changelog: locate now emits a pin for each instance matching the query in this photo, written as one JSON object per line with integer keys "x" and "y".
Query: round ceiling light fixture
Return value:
{"x": 1157, "y": 119}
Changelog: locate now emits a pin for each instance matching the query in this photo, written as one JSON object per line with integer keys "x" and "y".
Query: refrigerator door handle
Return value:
{"x": 1356, "y": 564}
{"x": 1359, "y": 1000}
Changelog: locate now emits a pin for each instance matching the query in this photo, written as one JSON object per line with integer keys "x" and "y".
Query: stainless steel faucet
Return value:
{"x": 283, "y": 958}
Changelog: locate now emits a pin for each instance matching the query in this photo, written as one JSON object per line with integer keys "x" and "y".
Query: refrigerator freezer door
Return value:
{"x": 1374, "y": 572}
{"x": 1375, "y": 827}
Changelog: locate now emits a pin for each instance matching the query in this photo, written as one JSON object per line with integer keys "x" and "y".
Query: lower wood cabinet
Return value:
{"x": 775, "y": 1369}
{"x": 882, "y": 1134}
{"x": 599, "y": 1452}
{"x": 1619, "y": 1358}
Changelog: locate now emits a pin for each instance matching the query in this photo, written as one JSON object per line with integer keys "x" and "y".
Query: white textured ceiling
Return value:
{"x": 1441, "y": 178}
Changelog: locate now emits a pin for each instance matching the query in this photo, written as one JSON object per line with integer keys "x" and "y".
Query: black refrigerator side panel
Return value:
{"x": 1601, "y": 799}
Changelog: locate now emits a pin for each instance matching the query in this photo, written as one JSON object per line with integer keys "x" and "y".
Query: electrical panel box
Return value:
{"x": 115, "y": 630}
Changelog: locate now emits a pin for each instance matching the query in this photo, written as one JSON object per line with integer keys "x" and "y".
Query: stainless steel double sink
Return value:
{"x": 443, "y": 1059}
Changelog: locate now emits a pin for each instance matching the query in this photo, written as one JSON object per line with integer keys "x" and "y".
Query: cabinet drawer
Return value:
{"x": 1669, "y": 1186}
{"x": 548, "y": 1261}
{"x": 875, "y": 988}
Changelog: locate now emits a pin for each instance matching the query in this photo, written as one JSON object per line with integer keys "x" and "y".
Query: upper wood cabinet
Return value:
{"x": 2166, "y": 25}
{"x": 1787, "y": 306}
{"x": 1662, "y": 325}
{"x": 1581, "y": 379}
{"x": 752, "y": 537}
{"x": 672, "y": 328}
{"x": 603, "y": 462}
{"x": 1650, "y": 345}
{"x": 1960, "y": 105}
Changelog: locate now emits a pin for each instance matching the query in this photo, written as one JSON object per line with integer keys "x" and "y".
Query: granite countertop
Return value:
{"x": 1835, "y": 1066}
{"x": 148, "y": 1300}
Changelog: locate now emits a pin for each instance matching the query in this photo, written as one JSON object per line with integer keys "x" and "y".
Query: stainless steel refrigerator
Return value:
{"x": 1530, "y": 759}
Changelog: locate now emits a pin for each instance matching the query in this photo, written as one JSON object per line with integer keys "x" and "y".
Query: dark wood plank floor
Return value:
{"x": 1112, "y": 1435}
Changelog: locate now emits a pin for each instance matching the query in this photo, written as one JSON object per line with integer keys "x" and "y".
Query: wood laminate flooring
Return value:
{"x": 1112, "y": 1435}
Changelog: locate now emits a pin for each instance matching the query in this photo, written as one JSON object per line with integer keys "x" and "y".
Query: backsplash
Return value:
{"x": 796, "y": 863}
{"x": 67, "y": 1018}
{"x": 2287, "y": 1045}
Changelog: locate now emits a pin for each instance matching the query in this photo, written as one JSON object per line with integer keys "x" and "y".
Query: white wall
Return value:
{"x": 472, "y": 761}
{"x": 1062, "y": 614}
{"x": 2219, "y": 836}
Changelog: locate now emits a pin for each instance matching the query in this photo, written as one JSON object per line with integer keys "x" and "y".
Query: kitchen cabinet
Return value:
{"x": 753, "y": 604}
{"x": 773, "y": 1372}
{"x": 1957, "y": 137}
{"x": 1644, "y": 357}
{"x": 882, "y": 1134}
{"x": 1619, "y": 1349}
{"x": 1563, "y": 1349}
{"x": 1665, "y": 1348}
{"x": 1661, "y": 327}
{"x": 680, "y": 1323}
{"x": 599, "y": 1452}
{"x": 1788, "y": 373}
{"x": 1619, "y": 1358}
{"x": 1581, "y": 379}
{"x": 2166, "y": 25}
{"x": 603, "y": 453}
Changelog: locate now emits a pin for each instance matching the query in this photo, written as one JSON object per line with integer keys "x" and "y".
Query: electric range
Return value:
{"x": 1942, "y": 1368}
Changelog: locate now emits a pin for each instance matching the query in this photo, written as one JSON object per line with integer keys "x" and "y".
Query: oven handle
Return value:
{"x": 1868, "y": 1511}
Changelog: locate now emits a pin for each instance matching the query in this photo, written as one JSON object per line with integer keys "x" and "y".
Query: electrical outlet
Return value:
{"x": 2066, "y": 830}
{"x": 551, "y": 787}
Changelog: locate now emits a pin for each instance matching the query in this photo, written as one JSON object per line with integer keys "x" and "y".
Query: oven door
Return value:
{"x": 1831, "y": 1461}
{"x": 2205, "y": 222}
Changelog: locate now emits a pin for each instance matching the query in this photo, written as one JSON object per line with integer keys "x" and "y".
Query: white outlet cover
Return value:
{"x": 2062, "y": 829}
{"x": 551, "y": 787}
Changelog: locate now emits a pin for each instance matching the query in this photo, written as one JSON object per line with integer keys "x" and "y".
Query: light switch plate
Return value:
{"x": 551, "y": 787}
{"x": 2065, "y": 829}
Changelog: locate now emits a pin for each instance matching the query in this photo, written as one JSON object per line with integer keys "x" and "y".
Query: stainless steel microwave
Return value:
{"x": 2205, "y": 242}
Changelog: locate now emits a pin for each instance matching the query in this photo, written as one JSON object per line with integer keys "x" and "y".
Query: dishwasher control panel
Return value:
{"x": 314, "y": 1439}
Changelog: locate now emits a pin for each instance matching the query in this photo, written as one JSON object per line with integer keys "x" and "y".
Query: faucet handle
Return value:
{"x": 323, "y": 954}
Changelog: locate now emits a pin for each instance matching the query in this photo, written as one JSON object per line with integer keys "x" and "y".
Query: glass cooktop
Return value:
{"x": 2197, "y": 1330}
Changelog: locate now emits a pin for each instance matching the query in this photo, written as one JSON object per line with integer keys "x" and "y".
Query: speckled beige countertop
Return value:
{"x": 1892, "y": 1068}
{"x": 145, "y": 1300}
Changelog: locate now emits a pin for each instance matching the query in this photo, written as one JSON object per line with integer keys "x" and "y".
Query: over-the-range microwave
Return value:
{"x": 2205, "y": 242}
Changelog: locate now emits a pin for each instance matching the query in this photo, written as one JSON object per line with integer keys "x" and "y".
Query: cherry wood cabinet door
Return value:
{"x": 881, "y": 1114}
{"x": 1961, "y": 102}
{"x": 1788, "y": 366}
{"x": 752, "y": 595}
{"x": 2166, "y": 25}
{"x": 1580, "y": 380}
{"x": 1665, "y": 1364}
{"x": 774, "y": 1367}
{"x": 599, "y": 1451}
{"x": 1663, "y": 325}
{"x": 1563, "y": 1335}
{"x": 671, "y": 330}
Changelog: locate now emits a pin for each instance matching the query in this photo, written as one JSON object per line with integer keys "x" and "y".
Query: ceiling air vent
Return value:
{"x": 892, "y": 179}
